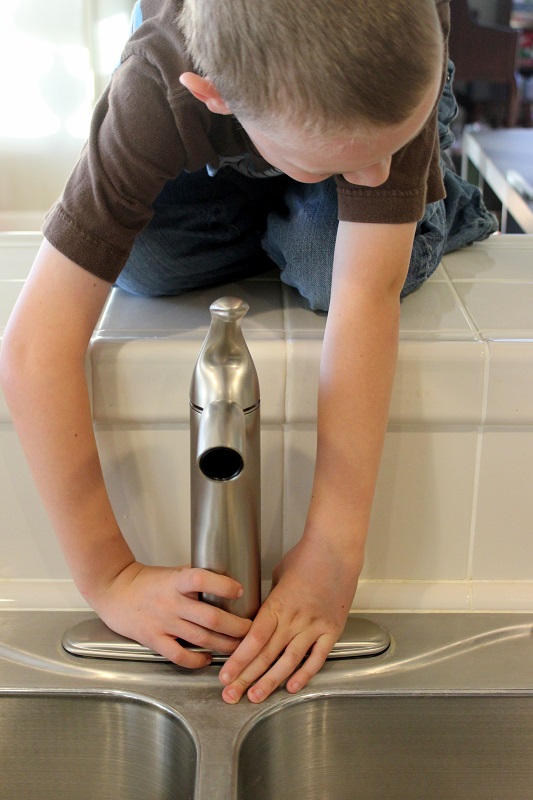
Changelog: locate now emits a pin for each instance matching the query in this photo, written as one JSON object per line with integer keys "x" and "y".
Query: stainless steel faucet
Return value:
{"x": 225, "y": 458}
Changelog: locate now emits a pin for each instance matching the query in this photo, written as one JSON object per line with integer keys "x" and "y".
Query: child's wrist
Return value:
{"x": 348, "y": 546}
{"x": 95, "y": 585}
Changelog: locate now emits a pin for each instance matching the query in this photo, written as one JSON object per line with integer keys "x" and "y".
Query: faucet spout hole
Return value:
{"x": 221, "y": 464}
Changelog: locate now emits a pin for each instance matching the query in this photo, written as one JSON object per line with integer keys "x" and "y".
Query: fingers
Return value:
{"x": 205, "y": 625}
{"x": 272, "y": 660}
{"x": 213, "y": 619}
{"x": 206, "y": 639}
{"x": 190, "y": 633}
{"x": 195, "y": 580}
{"x": 312, "y": 665}
{"x": 269, "y": 681}
{"x": 258, "y": 644}
{"x": 169, "y": 648}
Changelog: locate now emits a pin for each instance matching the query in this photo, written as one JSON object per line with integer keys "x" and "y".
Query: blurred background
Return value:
{"x": 56, "y": 56}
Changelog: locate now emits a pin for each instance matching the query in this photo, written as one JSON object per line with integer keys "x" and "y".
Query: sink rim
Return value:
{"x": 314, "y": 696}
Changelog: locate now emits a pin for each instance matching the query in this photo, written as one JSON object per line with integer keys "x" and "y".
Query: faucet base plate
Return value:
{"x": 92, "y": 638}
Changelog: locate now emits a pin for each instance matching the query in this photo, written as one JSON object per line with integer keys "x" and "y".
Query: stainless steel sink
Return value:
{"x": 89, "y": 745}
{"x": 430, "y": 747}
{"x": 443, "y": 713}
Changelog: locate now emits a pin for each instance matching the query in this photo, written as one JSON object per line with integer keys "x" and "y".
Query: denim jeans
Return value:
{"x": 208, "y": 230}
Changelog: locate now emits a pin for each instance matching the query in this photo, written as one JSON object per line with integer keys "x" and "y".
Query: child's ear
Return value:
{"x": 203, "y": 90}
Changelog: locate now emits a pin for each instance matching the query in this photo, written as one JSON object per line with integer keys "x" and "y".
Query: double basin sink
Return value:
{"x": 445, "y": 712}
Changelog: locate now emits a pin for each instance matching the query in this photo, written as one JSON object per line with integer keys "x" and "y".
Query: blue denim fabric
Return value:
{"x": 209, "y": 230}
{"x": 205, "y": 230}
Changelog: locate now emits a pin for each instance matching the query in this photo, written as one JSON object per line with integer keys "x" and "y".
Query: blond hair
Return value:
{"x": 321, "y": 64}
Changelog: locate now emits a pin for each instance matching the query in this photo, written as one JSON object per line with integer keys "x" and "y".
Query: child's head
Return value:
{"x": 325, "y": 67}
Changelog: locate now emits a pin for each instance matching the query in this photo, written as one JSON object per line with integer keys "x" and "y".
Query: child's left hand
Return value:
{"x": 304, "y": 613}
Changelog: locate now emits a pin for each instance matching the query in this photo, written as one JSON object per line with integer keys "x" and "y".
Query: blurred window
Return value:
{"x": 56, "y": 56}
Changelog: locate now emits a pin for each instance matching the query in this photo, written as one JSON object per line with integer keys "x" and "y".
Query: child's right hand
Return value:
{"x": 157, "y": 605}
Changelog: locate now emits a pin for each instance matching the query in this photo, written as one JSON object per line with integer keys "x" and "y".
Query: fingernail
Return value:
{"x": 230, "y": 695}
{"x": 294, "y": 687}
{"x": 240, "y": 592}
{"x": 225, "y": 677}
{"x": 257, "y": 694}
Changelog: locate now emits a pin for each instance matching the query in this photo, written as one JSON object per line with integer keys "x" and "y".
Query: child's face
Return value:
{"x": 363, "y": 159}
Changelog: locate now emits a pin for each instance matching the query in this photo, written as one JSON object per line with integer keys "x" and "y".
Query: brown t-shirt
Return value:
{"x": 147, "y": 128}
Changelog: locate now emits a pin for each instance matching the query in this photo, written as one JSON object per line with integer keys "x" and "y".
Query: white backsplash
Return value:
{"x": 453, "y": 515}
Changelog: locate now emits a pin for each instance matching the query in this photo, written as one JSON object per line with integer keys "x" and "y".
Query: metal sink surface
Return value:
{"x": 93, "y": 745}
{"x": 346, "y": 748}
{"x": 445, "y": 712}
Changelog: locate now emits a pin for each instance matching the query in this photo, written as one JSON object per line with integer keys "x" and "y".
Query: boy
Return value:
{"x": 233, "y": 128}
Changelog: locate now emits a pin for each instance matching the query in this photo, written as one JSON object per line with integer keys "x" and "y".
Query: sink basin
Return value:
{"x": 405, "y": 747}
{"x": 89, "y": 745}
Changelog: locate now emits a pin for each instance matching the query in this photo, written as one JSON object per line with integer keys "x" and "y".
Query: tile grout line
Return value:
{"x": 479, "y": 444}
{"x": 284, "y": 427}
{"x": 477, "y": 469}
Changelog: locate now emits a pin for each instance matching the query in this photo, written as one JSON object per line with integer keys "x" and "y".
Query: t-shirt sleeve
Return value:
{"x": 415, "y": 177}
{"x": 134, "y": 147}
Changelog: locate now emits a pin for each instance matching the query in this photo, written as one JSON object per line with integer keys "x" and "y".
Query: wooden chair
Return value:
{"x": 484, "y": 54}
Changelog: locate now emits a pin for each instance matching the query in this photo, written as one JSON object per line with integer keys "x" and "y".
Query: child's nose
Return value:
{"x": 373, "y": 175}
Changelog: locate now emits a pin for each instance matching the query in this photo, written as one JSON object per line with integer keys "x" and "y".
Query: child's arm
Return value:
{"x": 43, "y": 375}
{"x": 315, "y": 582}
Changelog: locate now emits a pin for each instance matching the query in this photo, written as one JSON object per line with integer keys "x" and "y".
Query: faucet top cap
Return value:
{"x": 230, "y": 309}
